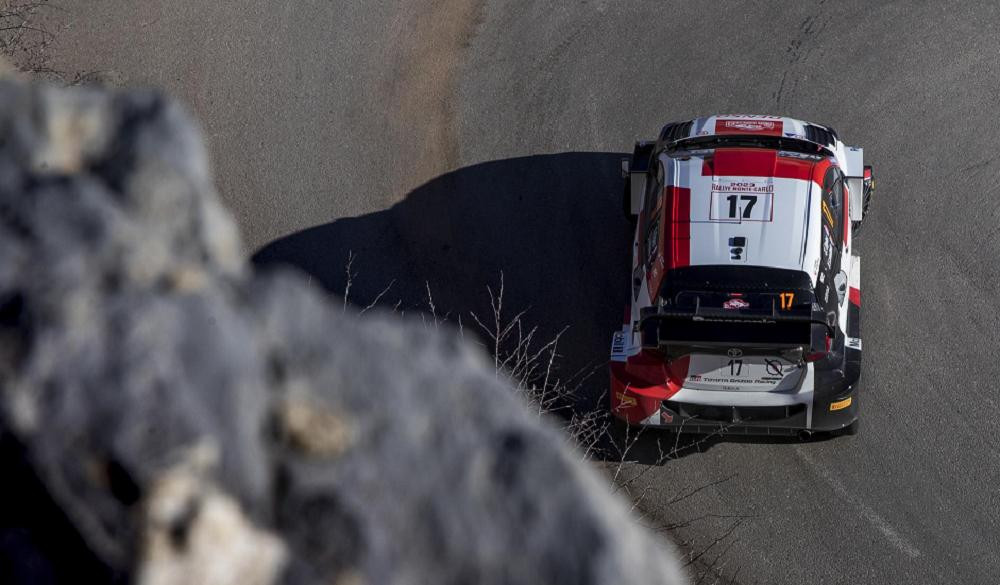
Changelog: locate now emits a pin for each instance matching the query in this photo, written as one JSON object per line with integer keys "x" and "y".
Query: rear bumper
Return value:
{"x": 745, "y": 420}
{"x": 829, "y": 404}
{"x": 758, "y": 420}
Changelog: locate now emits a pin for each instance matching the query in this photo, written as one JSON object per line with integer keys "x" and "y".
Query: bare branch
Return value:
{"x": 379, "y": 297}
{"x": 430, "y": 303}
{"x": 350, "y": 277}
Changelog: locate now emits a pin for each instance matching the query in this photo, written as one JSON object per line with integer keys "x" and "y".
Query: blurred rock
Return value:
{"x": 168, "y": 417}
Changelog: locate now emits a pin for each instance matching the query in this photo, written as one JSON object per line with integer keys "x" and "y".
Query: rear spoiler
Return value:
{"x": 746, "y": 307}
{"x": 814, "y": 134}
{"x": 717, "y": 314}
{"x": 803, "y": 330}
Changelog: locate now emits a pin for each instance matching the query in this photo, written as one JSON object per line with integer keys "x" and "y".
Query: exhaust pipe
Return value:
{"x": 805, "y": 435}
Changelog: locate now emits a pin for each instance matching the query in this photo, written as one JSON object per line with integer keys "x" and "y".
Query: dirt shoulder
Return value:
{"x": 313, "y": 111}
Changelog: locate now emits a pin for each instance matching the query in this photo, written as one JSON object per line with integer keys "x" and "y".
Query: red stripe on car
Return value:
{"x": 855, "y": 296}
{"x": 740, "y": 162}
{"x": 678, "y": 238}
{"x": 752, "y": 162}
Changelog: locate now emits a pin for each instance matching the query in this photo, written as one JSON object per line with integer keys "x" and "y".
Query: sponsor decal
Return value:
{"x": 826, "y": 212}
{"x": 739, "y": 372}
{"x": 736, "y": 303}
{"x": 744, "y": 187}
{"x": 748, "y": 125}
{"x": 827, "y": 248}
{"x": 841, "y": 404}
{"x": 618, "y": 343}
{"x": 625, "y": 401}
{"x": 743, "y": 124}
{"x": 741, "y": 201}
{"x": 737, "y": 248}
{"x": 854, "y": 343}
{"x": 666, "y": 415}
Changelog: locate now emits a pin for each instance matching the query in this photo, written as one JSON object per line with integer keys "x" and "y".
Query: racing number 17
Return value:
{"x": 786, "y": 298}
{"x": 750, "y": 199}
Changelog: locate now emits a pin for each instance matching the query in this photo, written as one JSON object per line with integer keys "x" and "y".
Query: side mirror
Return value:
{"x": 638, "y": 191}
{"x": 856, "y": 189}
{"x": 861, "y": 189}
{"x": 854, "y": 169}
{"x": 636, "y": 173}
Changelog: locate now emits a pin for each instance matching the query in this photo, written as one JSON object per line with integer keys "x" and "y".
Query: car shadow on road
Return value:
{"x": 551, "y": 225}
{"x": 652, "y": 446}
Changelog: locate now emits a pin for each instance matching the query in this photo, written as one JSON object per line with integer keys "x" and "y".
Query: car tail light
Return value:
{"x": 818, "y": 355}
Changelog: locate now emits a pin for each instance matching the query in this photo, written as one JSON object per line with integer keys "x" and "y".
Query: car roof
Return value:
{"x": 775, "y": 196}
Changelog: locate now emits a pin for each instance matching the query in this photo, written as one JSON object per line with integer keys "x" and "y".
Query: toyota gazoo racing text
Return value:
{"x": 745, "y": 298}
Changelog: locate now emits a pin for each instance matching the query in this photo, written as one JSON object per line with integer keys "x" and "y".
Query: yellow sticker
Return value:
{"x": 626, "y": 400}
{"x": 841, "y": 404}
{"x": 826, "y": 212}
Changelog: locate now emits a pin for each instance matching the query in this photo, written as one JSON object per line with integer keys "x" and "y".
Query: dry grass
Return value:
{"x": 25, "y": 40}
{"x": 530, "y": 360}
{"x": 22, "y": 41}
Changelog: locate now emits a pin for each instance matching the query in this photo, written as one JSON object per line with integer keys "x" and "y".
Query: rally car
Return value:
{"x": 745, "y": 298}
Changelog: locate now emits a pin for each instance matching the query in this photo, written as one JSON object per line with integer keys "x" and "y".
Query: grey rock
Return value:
{"x": 173, "y": 418}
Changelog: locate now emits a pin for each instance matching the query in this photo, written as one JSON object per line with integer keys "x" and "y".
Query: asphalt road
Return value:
{"x": 446, "y": 141}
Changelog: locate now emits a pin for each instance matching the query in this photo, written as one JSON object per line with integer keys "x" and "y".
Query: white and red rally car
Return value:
{"x": 744, "y": 312}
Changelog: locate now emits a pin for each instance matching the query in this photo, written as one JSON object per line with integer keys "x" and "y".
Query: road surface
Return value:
{"x": 444, "y": 142}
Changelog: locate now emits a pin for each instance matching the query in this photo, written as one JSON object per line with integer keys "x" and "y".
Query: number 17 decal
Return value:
{"x": 738, "y": 207}
{"x": 787, "y": 299}
{"x": 750, "y": 200}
